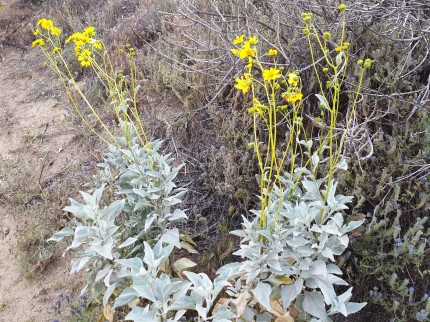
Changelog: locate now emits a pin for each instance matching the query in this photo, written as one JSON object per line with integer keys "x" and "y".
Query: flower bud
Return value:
{"x": 342, "y": 7}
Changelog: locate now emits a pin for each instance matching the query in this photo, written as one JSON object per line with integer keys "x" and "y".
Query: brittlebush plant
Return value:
{"x": 282, "y": 101}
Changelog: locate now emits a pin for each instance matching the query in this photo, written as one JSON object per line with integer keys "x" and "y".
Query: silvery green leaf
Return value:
{"x": 223, "y": 314}
{"x": 104, "y": 249}
{"x": 81, "y": 234}
{"x": 128, "y": 242}
{"x": 139, "y": 314}
{"x": 184, "y": 303}
{"x": 331, "y": 228}
{"x": 145, "y": 291}
{"x": 228, "y": 271}
{"x": 297, "y": 241}
{"x": 353, "y": 307}
{"x": 323, "y": 101}
{"x": 179, "y": 315}
{"x": 328, "y": 254}
{"x": 59, "y": 235}
{"x": 77, "y": 209}
{"x": 79, "y": 264}
{"x": 326, "y": 288}
{"x": 103, "y": 272}
{"x": 334, "y": 269}
{"x": 134, "y": 263}
{"x": 154, "y": 174}
{"x": 290, "y": 292}
{"x": 342, "y": 165}
{"x": 266, "y": 233}
{"x": 351, "y": 226}
{"x": 315, "y": 161}
{"x": 149, "y": 220}
{"x": 302, "y": 170}
{"x": 108, "y": 293}
{"x": 112, "y": 211}
{"x": 177, "y": 216}
{"x": 313, "y": 303}
{"x": 171, "y": 237}
{"x": 194, "y": 278}
{"x": 338, "y": 219}
{"x": 202, "y": 311}
{"x": 339, "y": 58}
{"x": 262, "y": 293}
{"x": 274, "y": 264}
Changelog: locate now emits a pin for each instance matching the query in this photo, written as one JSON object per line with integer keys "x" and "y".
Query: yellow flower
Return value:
{"x": 292, "y": 97}
{"x": 306, "y": 31}
{"x": 250, "y": 63}
{"x": 55, "y": 31}
{"x": 98, "y": 45}
{"x": 271, "y": 74}
{"x": 338, "y": 48}
{"x": 85, "y": 57}
{"x": 89, "y": 31}
{"x": 238, "y": 40}
{"x": 36, "y": 32}
{"x": 38, "y": 42}
{"x": 72, "y": 37}
{"x": 342, "y": 7}
{"x": 272, "y": 52}
{"x": 326, "y": 35}
{"x": 307, "y": 17}
{"x": 367, "y": 63}
{"x": 246, "y": 51}
{"x": 235, "y": 51}
{"x": 55, "y": 50}
{"x": 46, "y": 24}
{"x": 242, "y": 84}
{"x": 252, "y": 41}
{"x": 293, "y": 79}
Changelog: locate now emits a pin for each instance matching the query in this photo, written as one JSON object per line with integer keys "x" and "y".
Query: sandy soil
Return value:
{"x": 29, "y": 111}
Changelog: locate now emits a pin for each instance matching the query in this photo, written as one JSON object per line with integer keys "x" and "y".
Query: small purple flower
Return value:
{"x": 398, "y": 243}
{"x": 371, "y": 292}
{"x": 411, "y": 248}
{"x": 60, "y": 295}
{"x": 55, "y": 320}
{"x": 83, "y": 305}
{"x": 419, "y": 219}
{"x": 411, "y": 289}
{"x": 421, "y": 316}
{"x": 425, "y": 296}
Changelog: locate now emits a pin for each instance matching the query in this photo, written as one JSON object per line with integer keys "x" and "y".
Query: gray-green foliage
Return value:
{"x": 143, "y": 178}
{"x": 305, "y": 230}
{"x": 126, "y": 245}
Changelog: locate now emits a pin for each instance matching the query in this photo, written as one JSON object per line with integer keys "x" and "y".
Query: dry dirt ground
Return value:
{"x": 32, "y": 121}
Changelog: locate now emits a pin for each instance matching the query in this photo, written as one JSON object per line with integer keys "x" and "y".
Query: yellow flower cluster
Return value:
{"x": 257, "y": 107}
{"x": 84, "y": 43}
{"x": 293, "y": 93}
{"x": 48, "y": 25}
{"x": 244, "y": 82}
{"x": 291, "y": 96}
{"x": 271, "y": 74}
{"x": 248, "y": 47}
{"x": 344, "y": 46}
